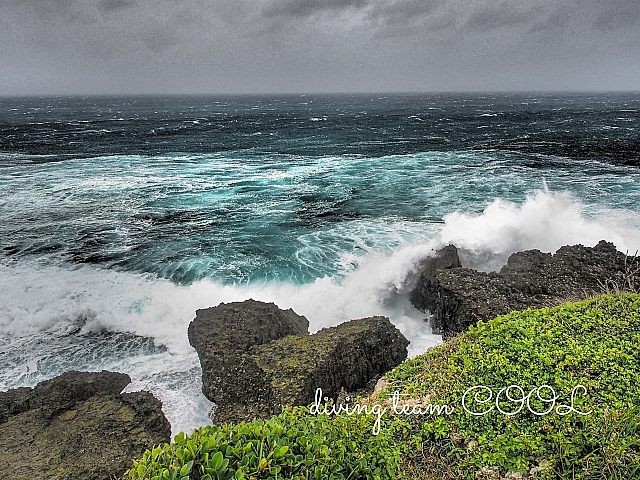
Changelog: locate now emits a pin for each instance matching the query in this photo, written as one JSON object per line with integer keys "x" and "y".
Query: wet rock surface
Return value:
{"x": 459, "y": 297}
{"x": 223, "y": 336}
{"x": 77, "y": 426}
{"x": 443, "y": 259}
{"x": 349, "y": 356}
{"x": 257, "y": 358}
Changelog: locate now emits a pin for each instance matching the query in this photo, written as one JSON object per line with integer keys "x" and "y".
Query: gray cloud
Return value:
{"x": 213, "y": 46}
{"x": 556, "y": 20}
{"x": 408, "y": 13}
{"x": 111, "y": 5}
{"x": 305, "y": 8}
{"x": 618, "y": 14}
{"x": 503, "y": 15}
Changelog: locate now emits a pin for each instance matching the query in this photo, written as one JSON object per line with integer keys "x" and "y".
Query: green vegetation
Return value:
{"x": 292, "y": 445}
{"x": 595, "y": 343}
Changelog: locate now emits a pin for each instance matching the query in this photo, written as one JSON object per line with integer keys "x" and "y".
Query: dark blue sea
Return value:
{"x": 119, "y": 217}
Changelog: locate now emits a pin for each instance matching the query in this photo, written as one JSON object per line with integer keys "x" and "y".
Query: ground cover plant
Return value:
{"x": 292, "y": 445}
{"x": 594, "y": 343}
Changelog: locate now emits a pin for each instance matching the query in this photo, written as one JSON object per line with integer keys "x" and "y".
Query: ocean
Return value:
{"x": 120, "y": 216}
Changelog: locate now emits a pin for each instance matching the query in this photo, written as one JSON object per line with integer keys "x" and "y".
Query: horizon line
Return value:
{"x": 337, "y": 93}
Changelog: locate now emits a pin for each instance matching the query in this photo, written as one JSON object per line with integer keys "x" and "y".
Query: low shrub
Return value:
{"x": 292, "y": 445}
{"x": 595, "y": 343}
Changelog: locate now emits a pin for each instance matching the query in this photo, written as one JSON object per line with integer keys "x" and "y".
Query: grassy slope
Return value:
{"x": 595, "y": 343}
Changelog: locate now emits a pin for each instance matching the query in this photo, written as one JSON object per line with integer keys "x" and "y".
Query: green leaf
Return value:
{"x": 186, "y": 469}
{"x": 216, "y": 461}
{"x": 205, "y": 446}
{"x": 180, "y": 454}
{"x": 281, "y": 452}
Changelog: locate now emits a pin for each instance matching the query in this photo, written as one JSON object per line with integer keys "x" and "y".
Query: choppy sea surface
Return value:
{"x": 119, "y": 217}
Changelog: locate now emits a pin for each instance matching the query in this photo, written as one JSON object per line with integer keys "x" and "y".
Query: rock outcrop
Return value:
{"x": 223, "y": 337}
{"x": 458, "y": 297}
{"x": 257, "y": 358}
{"x": 349, "y": 356}
{"x": 443, "y": 259}
{"x": 77, "y": 426}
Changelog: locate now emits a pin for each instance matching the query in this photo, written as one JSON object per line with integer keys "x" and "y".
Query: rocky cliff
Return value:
{"x": 458, "y": 297}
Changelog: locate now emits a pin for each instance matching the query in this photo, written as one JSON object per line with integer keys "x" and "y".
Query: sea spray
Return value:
{"x": 89, "y": 299}
{"x": 544, "y": 221}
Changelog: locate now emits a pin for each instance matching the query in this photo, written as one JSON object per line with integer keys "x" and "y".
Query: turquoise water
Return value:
{"x": 242, "y": 220}
{"x": 121, "y": 217}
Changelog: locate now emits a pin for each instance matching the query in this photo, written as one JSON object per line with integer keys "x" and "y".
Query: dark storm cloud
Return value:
{"x": 498, "y": 16}
{"x": 110, "y": 5}
{"x": 311, "y": 45}
{"x": 304, "y": 8}
{"x": 592, "y": 17}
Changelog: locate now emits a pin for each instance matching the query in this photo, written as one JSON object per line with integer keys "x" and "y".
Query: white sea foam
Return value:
{"x": 545, "y": 221}
{"x": 37, "y": 298}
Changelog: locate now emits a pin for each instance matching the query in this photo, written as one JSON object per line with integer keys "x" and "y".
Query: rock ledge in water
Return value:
{"x": 77, "y": 426}
{"x": 459, "y": 297}
{"x": 257, "y": 358}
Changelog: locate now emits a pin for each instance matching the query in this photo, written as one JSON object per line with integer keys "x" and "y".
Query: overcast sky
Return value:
{"x": 247, "y": 46}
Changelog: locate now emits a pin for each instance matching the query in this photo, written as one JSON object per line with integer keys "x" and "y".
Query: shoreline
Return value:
{"x": 433, "y": 273}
